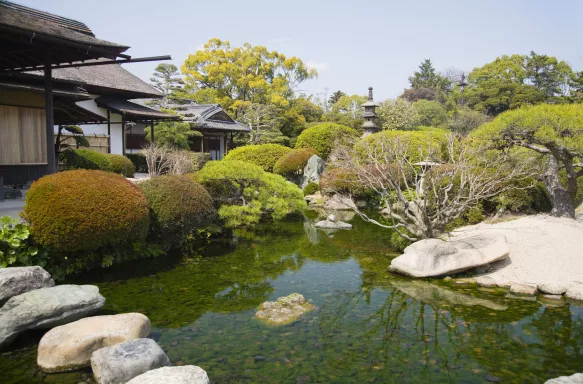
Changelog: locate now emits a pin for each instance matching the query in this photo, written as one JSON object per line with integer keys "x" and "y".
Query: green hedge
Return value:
{"x": 121, "y": 165}
{"x": 139, "y": 161}
{"x": 179, "y": 207}
{"x": 323, "y": 137}
{"x": 294, "y": 161}
{"x": 263, "y": 155}
{"x": 85, "y": 159}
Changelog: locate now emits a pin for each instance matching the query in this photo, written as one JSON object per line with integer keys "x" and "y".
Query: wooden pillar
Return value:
{"x": 202, "y": 143}
{"x": 123, "y": 135}
{"x": 152, "y": 131}
{"x": 50, "y": 123}
{"x": 108, "y": 131}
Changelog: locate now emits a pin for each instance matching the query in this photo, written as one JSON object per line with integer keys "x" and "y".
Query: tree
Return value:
{"x": 347, "y": 111}
{"x": 335, "y": 97}
{"x": 427, "y": 78}
{"x": 414, "y": 94}
{"x": 421, "y": 200}
{"x": 466, "y": 120}
{"x": 548, "y": 75}
{"x": 430, "y": 113}
{"x": 264, "y": 122}
{"x": 302, "y": 110}
{"x": 173, "y": 134}
{"x": 397, "y": 114}
{"x": 236, "y": 77}
{"x": 167, "y": 80}
{"x": 553, "y": 131}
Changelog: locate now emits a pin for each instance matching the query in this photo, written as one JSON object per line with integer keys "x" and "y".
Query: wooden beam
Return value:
{"x": 49, "y": 111}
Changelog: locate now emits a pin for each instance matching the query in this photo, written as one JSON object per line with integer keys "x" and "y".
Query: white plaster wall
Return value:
{"x": 101, "y": 129}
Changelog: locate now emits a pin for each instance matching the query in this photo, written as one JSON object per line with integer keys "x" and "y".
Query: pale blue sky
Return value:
{"x": 352, "y": 44}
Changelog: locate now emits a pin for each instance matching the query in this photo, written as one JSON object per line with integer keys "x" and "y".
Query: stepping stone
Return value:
{"x": 577, "y": 378}
{"x": 575, "y": 291}
{"x": 70, "y": 346}
{"x": 524, "y": 289}
{"x": 187, "y": 374}
{"x": 17, "y": 280}
{"x": 46, "y": 308}
{"x": 552, "y": 288}
{"x": 486, "y": 281}
{"x": 122, "y": 362}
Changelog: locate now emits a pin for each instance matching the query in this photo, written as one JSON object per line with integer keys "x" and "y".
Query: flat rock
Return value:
{"x": 17, "y": 280}
{"x": 552, "y": 288}
{"x": 486, "y": 281}
{"x": 434, "y": 257}
{"x": 46, "y": 308}
{"x": 339, "y": 202}
{"x": 577, "y": 378}
{"x": 327, "y": 224}
{"x": 575, "y": 291}
{"x": 122, "y": 362}
{"x": 70, "y": 346}
{"x": 523, "y": 289}
{"x": 186, "y": 374}
{"x": 284, "y": 310}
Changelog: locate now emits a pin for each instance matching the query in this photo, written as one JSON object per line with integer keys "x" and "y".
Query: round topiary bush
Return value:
{"x": 311, "y": 188}
{"x": 323, "y": 137}
{"x": 179, "y": 206}
{"x": 294, "y": 161}
{"x": 83, "y": 210}
{"x": 85, "y": 159}
{"x": 263, "y": 155}
{"x": 122, "y": 165}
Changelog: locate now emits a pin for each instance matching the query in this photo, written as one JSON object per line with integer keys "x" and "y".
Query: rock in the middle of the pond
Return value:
{"x": 122, "y": 362}
{"x": 434, "y": 257}
{"x": 70, "y": 346}
{"x": 284, "y": 310}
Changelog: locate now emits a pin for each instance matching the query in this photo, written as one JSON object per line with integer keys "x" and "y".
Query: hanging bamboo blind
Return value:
{"x": 22, "y": 135}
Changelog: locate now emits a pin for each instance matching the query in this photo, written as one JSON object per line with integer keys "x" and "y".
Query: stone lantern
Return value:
{"x": 370, "y": 116}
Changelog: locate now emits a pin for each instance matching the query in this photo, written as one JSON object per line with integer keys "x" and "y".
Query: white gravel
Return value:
{"x": 542, "y": 249}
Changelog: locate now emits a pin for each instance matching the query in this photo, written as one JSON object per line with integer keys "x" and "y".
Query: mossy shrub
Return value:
{"x": 311, "y": 188}
{"x": 294, "y": 161}
{"x": 341, "y": 180}
{"x": 418, "y": 143}
{"x": 122, "y": 165}
{"x": 85, "y": 159}
{"x": 263, "y": 155}
{"x": 83, "y": 210}
{"x": 179, "y": 207}
{"x": 323, "y": 137}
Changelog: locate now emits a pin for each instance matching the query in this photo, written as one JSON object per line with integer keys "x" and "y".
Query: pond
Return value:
{"x": 369, "y": 326}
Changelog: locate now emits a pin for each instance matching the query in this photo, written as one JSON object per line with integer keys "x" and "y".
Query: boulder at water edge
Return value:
{"x": 124, "y": 361}
{"x": 284, "y": 310}
{"x": 46, "y": 308}
{"x": 187, "y": 374}
{"x": 17, "y": 280}
{"x": 575, "y": 291}
{"x": 332, "y": 223}
{"x": 339, "y": 202}
{"x": 313, "y": 170}
{"x": 573, "y": 379}
{"x": 70, "y": 346}
{"x": 434, "y": 257}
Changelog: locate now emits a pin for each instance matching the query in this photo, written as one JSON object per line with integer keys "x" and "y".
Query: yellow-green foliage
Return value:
{"x": 294, "y": 161}
{"x": 311, "y": 188}
{"x": 85, "y": 159}
{"x": 323, "y": 137}
{"x": 420, "y": 143}
{"x": 246, "y": 194}
{"x": 83, "y": 210}
{"x": 122, "y": 165}
{"x": 179, "y": 206}
{"x": 263, "y": 155}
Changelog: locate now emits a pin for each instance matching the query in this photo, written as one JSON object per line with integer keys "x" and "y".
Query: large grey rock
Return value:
{"x": 122, "y": 362}
{"x": 17, "y": 280}
{"x": 313, "y": 170}
{"x": 434, "y": 257}
{"x": 186, "y": 374}
{"x": 575, "y": 291}
{"x": 70, "y": 346}
{"x": 577, "y": 378}
{"x": 552, "y": 288}
{"x": 339, "y": 202}
{"x": 46, "y": 308}
{"x": 332, "y": 223}
{"x": 284, "y": 310}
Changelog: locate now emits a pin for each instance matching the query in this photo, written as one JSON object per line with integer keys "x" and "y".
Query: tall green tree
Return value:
{"x": 347, "y": 110}
{"x": 548, "y": 75}
{"x": 335, "y": 97}
{"x": 264, "y": 121}
{"x": 174, "y": 134}
{"x": 168, "y": 80}
{"x": 426, "y": 77}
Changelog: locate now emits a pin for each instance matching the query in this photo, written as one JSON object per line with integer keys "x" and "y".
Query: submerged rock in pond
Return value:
{"x": 46, "y": 308}
{"x": 17, "y": 280}
{"x": 187, "y": 374}
{"x": 284, "y": 310}
{"x": 332, "y": 223}
{"x": 577, "y": 378}
{"x": 434, "y": 257}
{"x": 123, "y": 362}
{"x": 70, "y": 346}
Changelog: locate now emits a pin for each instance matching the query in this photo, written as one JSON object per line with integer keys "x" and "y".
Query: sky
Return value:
{"x": 353, "y": 45}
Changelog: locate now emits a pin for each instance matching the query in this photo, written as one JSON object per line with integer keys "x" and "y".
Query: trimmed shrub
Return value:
{"x": 122, "y": 165}
{"x": 83, "y": 210}
{"x": 139, "y": 161}
{"x": 245, "y": 194}
{"x": 420, "y": 143}
{"x": 178, "y": 206}
{"x": 263, "y": 155}
{"x": 85, "y": 159}
{"x": 323, "y": 137}
{"x": 341, "y": 180}
{"x": 294, "y": 161}
{"x": 311, "y": 188}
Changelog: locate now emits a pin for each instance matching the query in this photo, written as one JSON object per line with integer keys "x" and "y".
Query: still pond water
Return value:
{"x": 370, "y": 326}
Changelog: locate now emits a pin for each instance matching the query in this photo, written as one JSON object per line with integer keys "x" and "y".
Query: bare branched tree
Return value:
{"x": 157, "y": 158}
{"x": 421, "y": 198}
